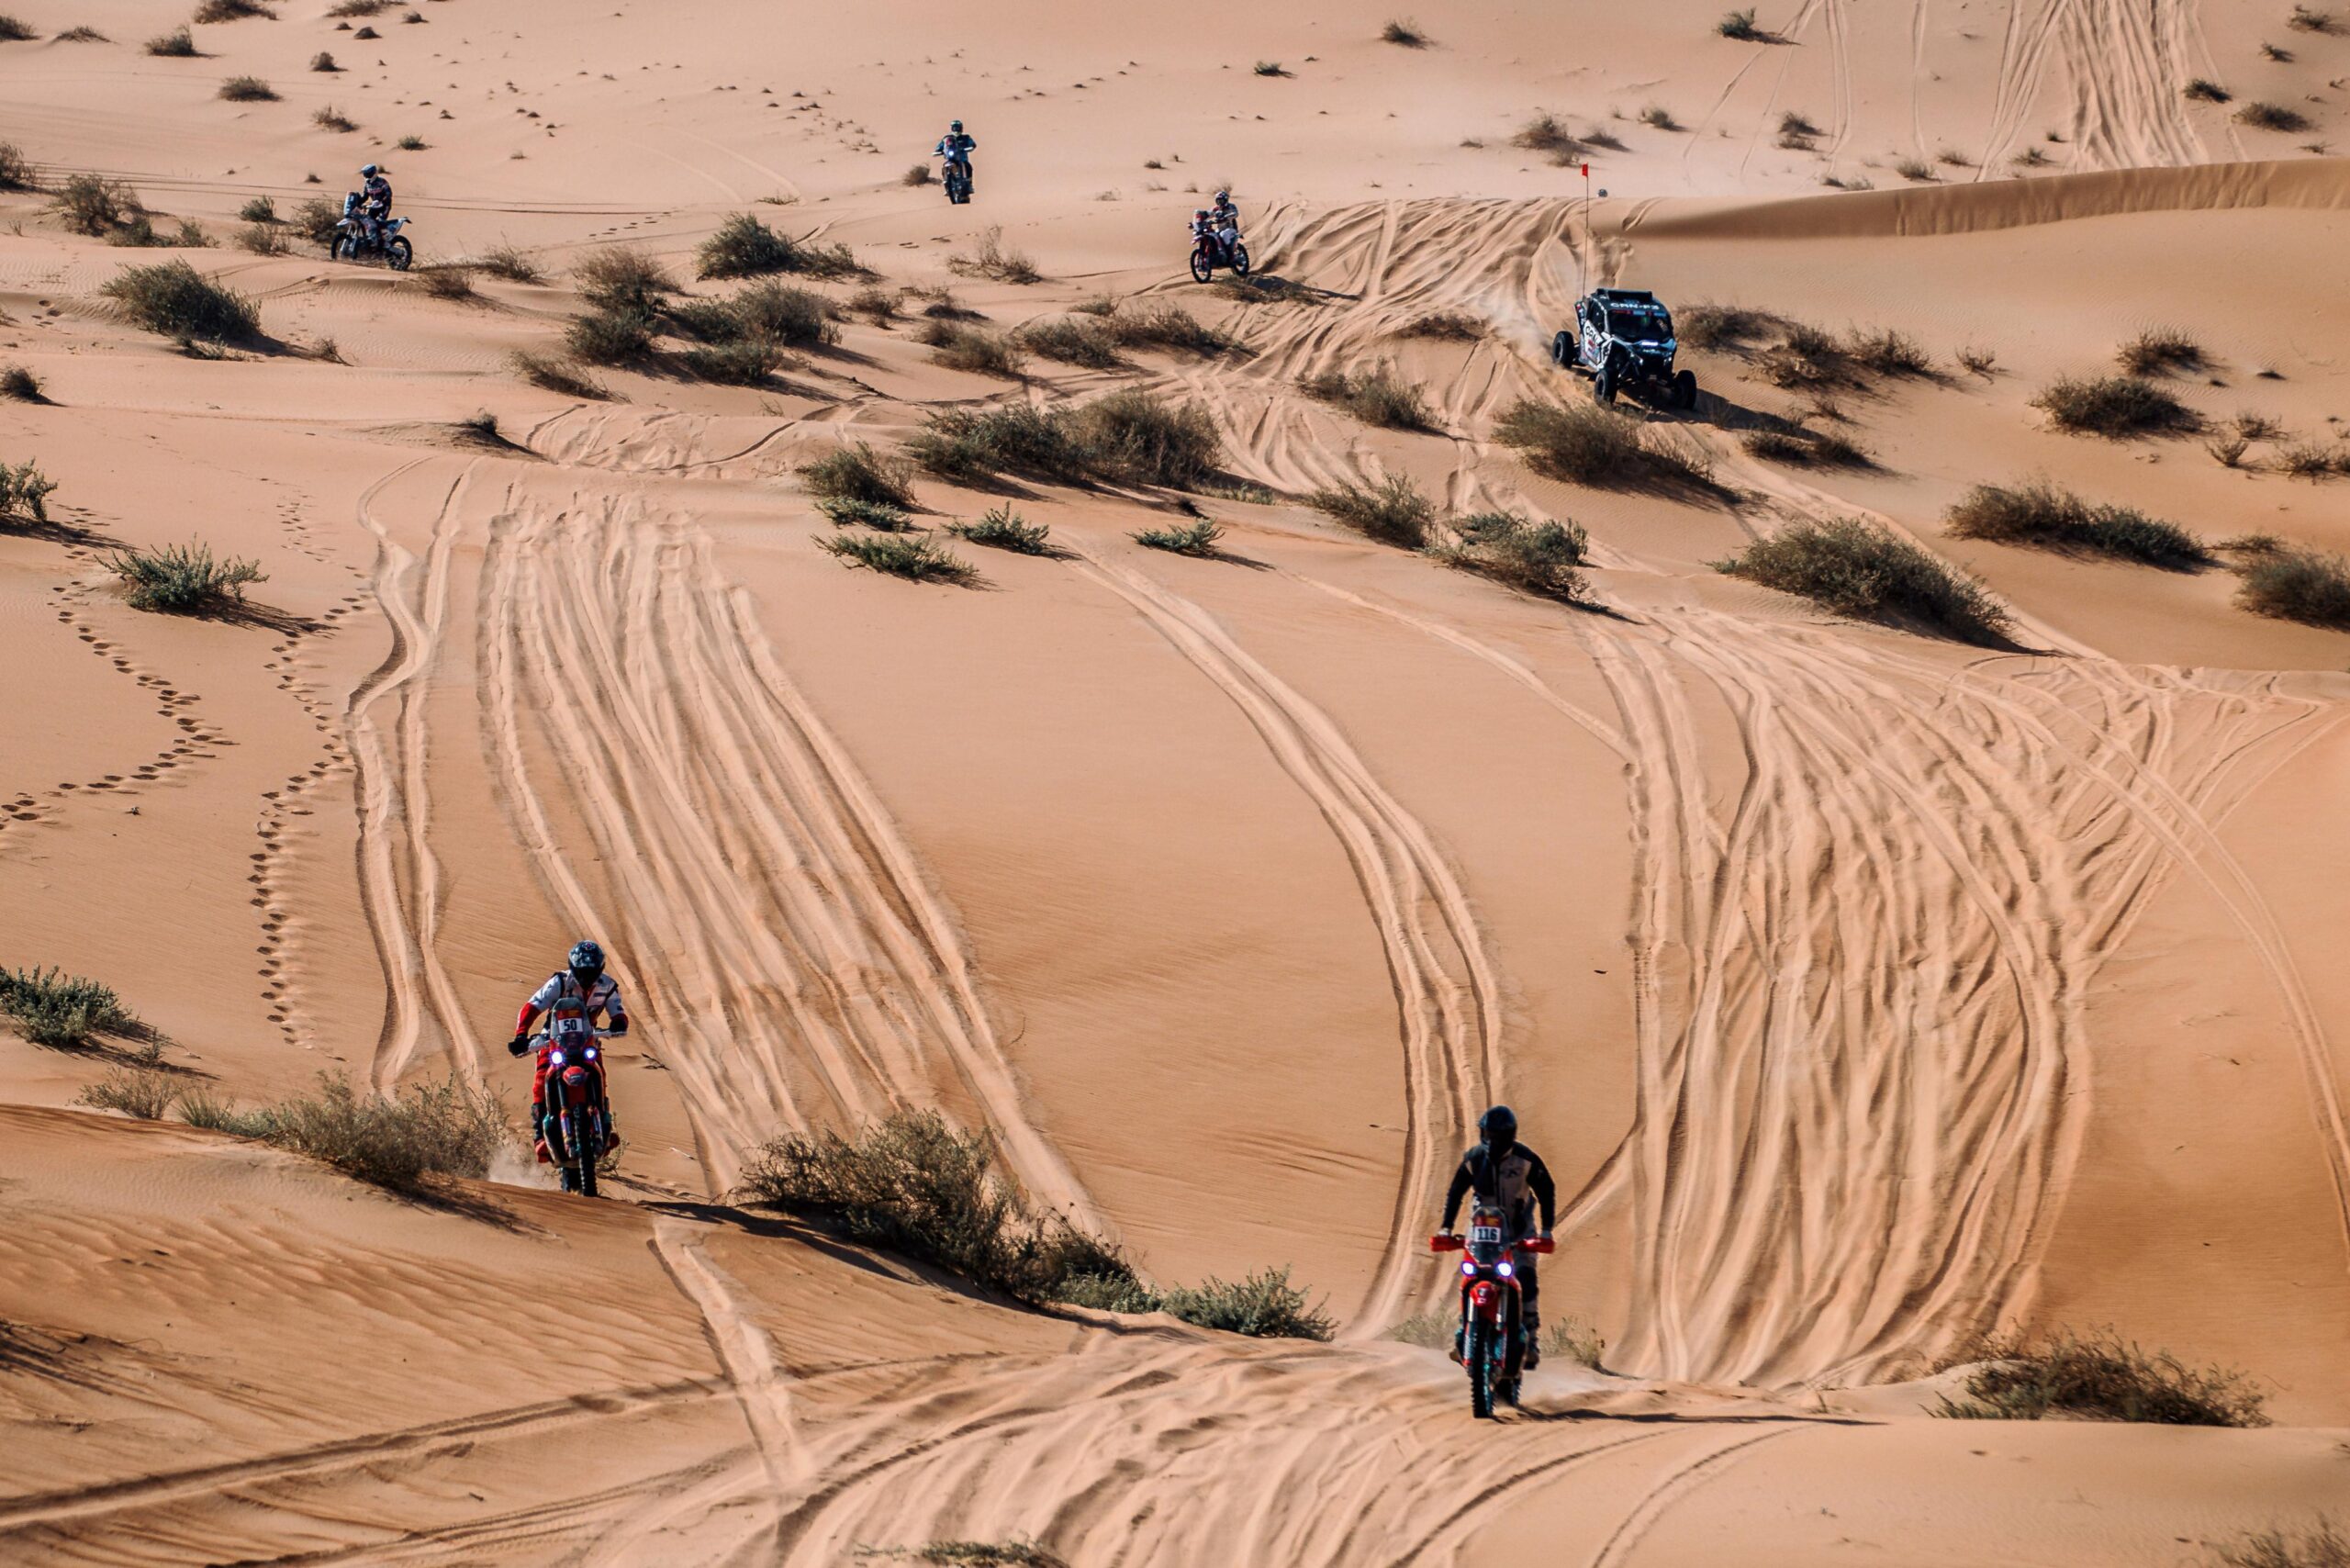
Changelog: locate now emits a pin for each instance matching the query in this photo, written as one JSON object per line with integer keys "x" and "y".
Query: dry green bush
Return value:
{"x": 959, "y": 346}
{"x": 327, "y": 117}
{"x": 210, "y": 11}
{"x": 2272, "y": 117}
{"x": 1444, "y": 326}
{"x": 178, "y": 44}
{"x": 510, "y": 262}
{"x": 1380, "y": 398}
{"x": 1588, "y": 445}
{"x": 617, "y": 278}
{"x": 2113, "y": 405}
{"x": 2096, "y": 1377}
{"x": 744, "y": 247}
{"x": 1392, "y": 512}
{"x": 2159, "y": 349}
{"x": 1853, "y": 567}
{"x": 92, "y": 204}
{"x": 2203, "y": 90}
{"x": 60, "y": 1010}
{"x": 20, "y": 385}
{"x": 1541, "y": 558}
{"x": 453, "y": 1128}
{"x": 1080, "y": 341}
{"x": 1804, "y": 449}
{"x": 315, "y": 221}
{"x": 1546, "y": 133}
{"x": 1888, "y": 353}
{"x": 617, "y": 338}
{"x": 174, "y": 300}
{"x": 263, "y": 239}
{"x": 858, "y": 472}
{"x": 1404, "y": 31}
{"x": 2041, "y": 515}
{"x": 556, "y": 374}
{"x": 1169, "y": 327}
{"x": 1659, "y": 117}
{"x": 2302, "y": 586}
{"x": 1708, "y": 325}
{"x": 17, "y": 172}
{"x": 746, "y": 362}
{"x": 996, "y": 262}
{"x": 900, "y": 556}
{"x": 1000, "y": 528}
{"x": 2322, "y": 1546}
{"x": 1197, "y": 539}
{"x": 877, "y": 304}
{"x": 135, "y": 1092}
{"x": 82, "y": 34}
{"x": 183, "y": 580}
{"x": 247, "y": 90}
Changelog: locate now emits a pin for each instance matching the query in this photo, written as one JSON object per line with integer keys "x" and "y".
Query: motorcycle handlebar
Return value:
{"x": 1444, "y": 1244}
{"x": 1537, "y": 1244}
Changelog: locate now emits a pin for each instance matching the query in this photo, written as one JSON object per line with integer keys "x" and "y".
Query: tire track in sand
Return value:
{"x": 1448, "y": 999}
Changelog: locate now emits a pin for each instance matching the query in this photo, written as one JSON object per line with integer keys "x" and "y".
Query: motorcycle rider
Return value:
{"x": 1511, "y": 1177}
{"x": 956, "y": 147}
{"x": 1226, "y": 220}
{"x": 581, "y": 979}
{"x": 375, "y": 200}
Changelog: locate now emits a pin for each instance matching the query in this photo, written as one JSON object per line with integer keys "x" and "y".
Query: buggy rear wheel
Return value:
{"x": 1564, "y": 350}
{"x": 1684, "y": 389}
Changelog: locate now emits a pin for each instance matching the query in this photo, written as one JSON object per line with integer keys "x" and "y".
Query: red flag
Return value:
{"x": 1587, "y": 171}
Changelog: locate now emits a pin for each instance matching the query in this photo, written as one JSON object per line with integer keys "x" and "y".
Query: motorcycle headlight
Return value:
{"x": 556, "y": 1057}
{"x": 1505, "y": 1270}
{"x": 1467, "y": 1270}
{"x": 591, "y": 1053}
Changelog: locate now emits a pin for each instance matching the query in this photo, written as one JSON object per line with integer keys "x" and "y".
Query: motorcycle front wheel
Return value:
{"x": 1203, "y": 266}
{"x": 1481, "y": 1369}
{"x": 345, "y": 248}
{"x": 399, "y": 252}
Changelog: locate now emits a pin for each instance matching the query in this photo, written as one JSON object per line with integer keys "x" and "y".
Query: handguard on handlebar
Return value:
{"x": 1537, "y": 1243}
{"x": 1444, "y": 1244}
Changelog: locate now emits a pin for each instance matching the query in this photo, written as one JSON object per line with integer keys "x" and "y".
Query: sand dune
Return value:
{"x": 1866, "y": 990}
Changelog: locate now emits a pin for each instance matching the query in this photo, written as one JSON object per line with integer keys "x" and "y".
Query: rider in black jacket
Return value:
{"x": 1512, "y": 1177}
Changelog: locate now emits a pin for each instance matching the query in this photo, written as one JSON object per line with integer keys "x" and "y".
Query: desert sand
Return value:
{"x": 1866, "y": 990}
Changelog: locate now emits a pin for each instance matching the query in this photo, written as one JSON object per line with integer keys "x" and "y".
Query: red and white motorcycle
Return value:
{"x": 1491, "y": 1344}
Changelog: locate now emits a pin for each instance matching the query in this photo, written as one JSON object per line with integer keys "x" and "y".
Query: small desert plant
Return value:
{"x": 2307, "y": 460}
{"x": 971, "y": 1553}
{"x": 1000, "y": 528}
{"x": 191, "y": 235}
{"x": 1588, "y": 445}
{"x": 617, "y": 278}
{"x": 2096, "y": 1377}
{"x": 176, "y": 300}
{"x": 1542, "y": 558}
{"x": 20, "y": 385}
{"x": 2203, "y": 90}
{"x": 967, "y": 443}
{"x": 24, "y": 489}
{"x": 89, "y": 204}
{"x": 2040, "y": 514}
{"x": 959, "y": 346}
{"x": 1721, "y": 326}
{"x": 135, "y": 1092}
{"x": 1183, "y": 539}
{"x": 2112, "y": 406}
{"x": 1976, "y": 360}
{"x": 2227, "y": 451}
{"x": 1392, "y": 512}
{"x": 877, "y": 304}
{"x": 1405, "y": 31}
{"x": 1269, "y": 68}
{"x": 510, "y": 262}
{"x": 1660, "y": 118}
{"x": 1073, "y": 340}
{"x": 259, "y": 209}
{"x": 247, "y": 90}
{"x": 179, "y": 44}
{"x": 744, "y": 247}
{"x": 82, "y": 34}
{"x": 322, "y": 60}
{"x": 2323, "y": 1546}
{"x": 455, "y": 282}
{"x": 2256, "y": 426}
{"x": 2296, "y": 585}
{"x": 555, "y": 374}
{"x": 1444, "y": 326}
{"x": 316, "y": 220}
{"x": 366, "y": 33}
{"x": 858, "y": 472}
{"x": 848, "y": 511}
{"x": 2029, "y": 158}
{"x": 2158, "y": 349}
{"x": 16, "y": 169}
{"x": 1546, "y": 132}
{"x": 1169, "y": 327}
{"x": 1797, "y": 131}
{"x": 1140, "y": 438}
{"x": 1853, "y": 567}
{"x": 138, "y": 233}
{"x": 183, "y": 580}
{"x": 1380, "y": 397}
{"x": 1570, "y": 1339}
{"x": 1889, "y": 352}
{"x": 451, "y": 1128}
{"x": 997, "y": 263}
{"x": 1916, "y": 169}
{"x": 326, "y": 116}
{"x": 745, "y": 361}
{"x": 231, "y": 10}
{"x": 2272, "y": 117}
{"x": 614, "y": 337}
{"x": 900, "y": 556}
{"x": 913, "y": 1184}
{"x": 1805, "y": 449}
{"x": 410, "y": 143}
{"x": 2305, "y": 20}
{"x": 1265, "y": 1305}
{"x": 1740, "y": 25}
{"x": 1806, "y": 356}
{"x": 60, "y": 1010}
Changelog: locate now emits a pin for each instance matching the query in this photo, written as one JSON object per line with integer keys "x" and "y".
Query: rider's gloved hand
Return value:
{"x": 619, "y": 1026}
{"x": 519, "y": 1044}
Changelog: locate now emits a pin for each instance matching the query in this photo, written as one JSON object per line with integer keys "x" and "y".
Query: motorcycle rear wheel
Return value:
{"x": 1240, "y": 260}
{"x": 1481, "y": 1369}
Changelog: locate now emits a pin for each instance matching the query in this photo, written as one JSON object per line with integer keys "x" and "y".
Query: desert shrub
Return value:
{"x": 1140, "y": 438}
{"x": 82, "y": 34}
{"x": 89, "y": 204}
{"x": 135, "y": 1092}
{"x": 1888, "y": 353}
{"x": 2203, "y": 90}
{"x": 1000, "y": 528}
{"x": 315, "y": 221}
{"x": 959, "y": 346}
{"x": 60, "y": 1010}
{"x": 900, "y": 556}
{"x": 1541, "y": 558}
{"x": 247, "y": 90}
{"x": 1392, "y": 512}
{"x": 555, "y": 374}
{"x": 967, "y": 443}
{"x": 1805, "y": 449}
{"x": 1265, "y": 1305}
{"x": 2306, "y": 20}
{"x": 191, "y": 235}
{"x": 744, "y": 247}
{"x": 17, "y": 170}
{"x": 21, "y": 385}
{"x": 452, "y": 1129}
{"x": 858, "y": 472}
{"x": 259, "y": 209}
{"x": 1806, "y": 356}
{"x": 326, "y": 116}
{"x": 410, "y": 143}
{"x": 1853, "y": 567}
{"x": 1444, "y": 326}
{"x": 138, "y": 233}
{"x": 877, "y": 304}
{"x": 619, "y": 278}
{"x": 1588, "y": 445}
{"x": 1575, "y": 1342}
{"x": 917, "y": 174}
{"x": 2322, "y": 1546}
{"x": 996, "y": 262}
{"x": 1913, "y": 169}
{"x": 176, "y": 300}
{"x": 451, "y": 282}
{"x": 1796, "y": 131}
{"x": 322, "y": 60}
{"x": 2227, "y": 450}
{"x": 2254, "y": 426}
{"x": 745, "y": 361}
{"x": 1404, "y": 31}
{"x": 366, "y": 33}
{"x": 1073, "y": 340}
{"x": 2040, "y": 514}
{"x": 2272, "y": 117}
{"x": 2296, "y": 585}
{"x": 1269, "y": 68}
{"x": 510, "y": 262}
{"x": 2096, "y": 1377}
{"x": 1660, "y": 118}
{"x": 183, "y": 579}
{"x": 2158, "y": 349}
{"x": 2113, "y": 405}
{"x": 178, "y": 44}
{"x": 848, "y": 511}
{"x": 202, "y": 1108}
{"x": 232, "y": 10}
{"x": 1740, "y": 25}
{"x": 1167, "y": 327}
{"x": 613, "y": 337}
{"x": 1977, "y": 361}
{"x": 1546, "y": 132}
{"x": 971, "y": 1555}
{"x": 24, "y": 489}
{"x": 1721, "y": 326}
{"x": 1187, "y": 539}
{"x": 1380, "y": 397}
{"x": 2307, "y": 459}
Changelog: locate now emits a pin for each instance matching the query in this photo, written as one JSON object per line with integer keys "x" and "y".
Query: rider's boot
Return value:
{"x": 1460, "y": 1336}
{"x": 1533, "y": 1342}
{"x": 538, "y": 1120}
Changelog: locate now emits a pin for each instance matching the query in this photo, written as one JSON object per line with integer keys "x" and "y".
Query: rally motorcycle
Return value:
{"x": 575, "y": 1131}
{"x": 1491, "y": 1342}
{"x": 1214, "y": 251}
{"x": 355, "y": 236}
{"x": 957, "y": 180}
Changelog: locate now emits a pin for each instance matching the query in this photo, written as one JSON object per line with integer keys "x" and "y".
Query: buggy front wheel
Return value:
{"x": 1685, "y": 390}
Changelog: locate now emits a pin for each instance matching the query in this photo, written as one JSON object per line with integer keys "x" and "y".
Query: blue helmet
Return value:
{"x": 586, "y": 962}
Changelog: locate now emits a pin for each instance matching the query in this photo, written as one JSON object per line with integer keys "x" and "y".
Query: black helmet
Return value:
{"x": 586, "y": 963}
{"x": 1498, "y": 1128}
{"x": 368, "y": 171}
{"x": 955, "y": 126}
